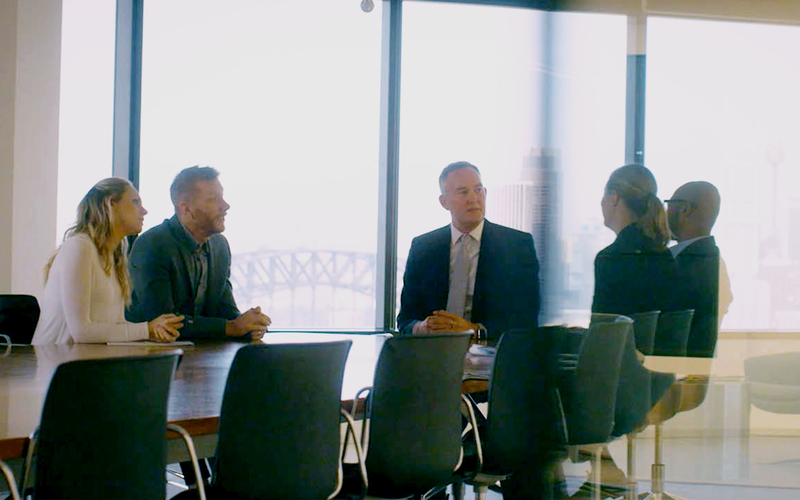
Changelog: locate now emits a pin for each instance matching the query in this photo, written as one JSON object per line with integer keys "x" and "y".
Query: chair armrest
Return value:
{"x": 474, "y": 423}
{"x": 560, "y": 408}
{"x": 26, "y": 467}
{"x": 7, "y": 340}
{"x": 362, "y": 468}
{"x": 365, "y": 426}
{"x": 12, "y": 485}
{"x": 201, "y": 490}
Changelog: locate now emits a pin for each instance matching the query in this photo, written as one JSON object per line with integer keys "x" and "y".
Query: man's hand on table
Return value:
{"x": 252, "y": 321}
{"x": 443, "y": 321}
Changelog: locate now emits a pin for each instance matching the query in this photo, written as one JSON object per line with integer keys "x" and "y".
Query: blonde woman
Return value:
{"x": 86, "y": 282}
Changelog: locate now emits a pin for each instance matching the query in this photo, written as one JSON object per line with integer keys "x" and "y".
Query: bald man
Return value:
{"x": 692, "y": 212}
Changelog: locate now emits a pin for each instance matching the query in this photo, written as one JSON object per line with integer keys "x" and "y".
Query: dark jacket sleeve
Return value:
{"x": 225, "y": 305}
{"x": 607, "y": 286}
{"x": 411, "y": 298}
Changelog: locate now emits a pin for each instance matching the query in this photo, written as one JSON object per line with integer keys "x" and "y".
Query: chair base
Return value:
{"x": 659, "y": 496}
{"x": 481, "y": 482}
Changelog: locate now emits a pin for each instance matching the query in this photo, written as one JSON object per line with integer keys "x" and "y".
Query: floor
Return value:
{"x": 706, "y": 468}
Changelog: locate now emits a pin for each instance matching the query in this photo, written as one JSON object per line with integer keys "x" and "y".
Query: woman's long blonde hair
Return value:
{"x": 637, "y": 187}
{"x": 95, "y": 219}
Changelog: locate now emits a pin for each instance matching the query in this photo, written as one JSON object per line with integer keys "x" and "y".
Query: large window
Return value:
{"x": 283, "y": 98}
{"x": 722, "y": 106}
{"x": 475, "y": 82}
{"x": 86, "y": 102}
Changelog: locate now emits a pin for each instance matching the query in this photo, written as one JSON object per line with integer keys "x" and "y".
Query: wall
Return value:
{"x": 30, "y": 67}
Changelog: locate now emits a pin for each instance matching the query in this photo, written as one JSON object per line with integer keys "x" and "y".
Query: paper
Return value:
{"x": 150, "y": 343}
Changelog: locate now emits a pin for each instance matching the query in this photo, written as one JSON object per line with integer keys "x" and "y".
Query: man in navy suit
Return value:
{"x": 704, "y": 281}
{"x": 479, "y": 276}
{"x": 501, "y": 290}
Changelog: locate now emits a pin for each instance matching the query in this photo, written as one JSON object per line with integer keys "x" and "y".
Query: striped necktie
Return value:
{"x": 457, "y": 296}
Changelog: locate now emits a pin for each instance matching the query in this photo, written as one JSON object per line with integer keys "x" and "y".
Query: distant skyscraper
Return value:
{"x": 532, "y": 204}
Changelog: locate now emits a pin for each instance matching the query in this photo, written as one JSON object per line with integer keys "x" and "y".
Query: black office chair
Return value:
{"x": 644, "y": 330}
{"x": 638, "y": 390}
{"x": 672, "y": 337}
{"x": 103, "y": 430}
{"x": 279, "y": 423}
{"x": 522, "y": 410}
{"x": 588, "y": 386}
{"x": 672, "y": 333}
{"x": 18, "y": 317}
{"x": 412, "y": 438}
{"x": 12, "y": 483}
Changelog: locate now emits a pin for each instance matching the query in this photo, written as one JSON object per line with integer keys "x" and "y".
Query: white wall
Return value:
{"x": 30, "y": 67}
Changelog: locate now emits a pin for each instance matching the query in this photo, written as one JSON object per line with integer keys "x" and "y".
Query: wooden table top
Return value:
{"x": 195, "y": 394}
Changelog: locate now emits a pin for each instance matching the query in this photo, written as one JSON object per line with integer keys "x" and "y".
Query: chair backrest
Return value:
{"x": 521, "y": 415}
{"x": 672, "y": 333}
{"x": 18, "y": 317}
{"x": 589, "y": 396}
{"x": 103, "y": 429}
{"x": 773, "y": 382}
{"x": 279, "y": 423}
{"x": 415, "y": 417}
{"x": 644, "y": 330}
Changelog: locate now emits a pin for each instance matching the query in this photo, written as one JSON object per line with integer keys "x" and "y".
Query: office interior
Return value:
{"x": 330, "y": 125}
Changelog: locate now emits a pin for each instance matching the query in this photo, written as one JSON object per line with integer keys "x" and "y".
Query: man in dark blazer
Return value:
{"x": 692, "y": 212}
{"x": 183, "y": 265}
{"x": 504, "y": 272}
{"x": 500, "y": 292}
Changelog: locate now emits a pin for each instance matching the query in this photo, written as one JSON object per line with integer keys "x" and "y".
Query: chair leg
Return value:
{"x": 480, "y": 491}
{"x": 12, "y": 484}
{"x": 458, "y": 491}
{"x": 657, "y": 472}
{"x": 597, "y": 477}
{"x": 631, "y": 469}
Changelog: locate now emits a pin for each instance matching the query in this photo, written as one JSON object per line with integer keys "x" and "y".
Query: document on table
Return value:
{"x": 150, "y": 343}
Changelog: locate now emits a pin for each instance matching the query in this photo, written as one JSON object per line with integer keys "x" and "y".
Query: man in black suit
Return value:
{"x": 501, "y": 290}
{"x": 183, "y": 265}
{"x": 692, "y": 212}
{"x": 479, "y": 276}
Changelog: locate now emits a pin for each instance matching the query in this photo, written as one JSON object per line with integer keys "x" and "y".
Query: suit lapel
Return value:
{"x": 482, "y": 274}
{"x": 441, "y": 266}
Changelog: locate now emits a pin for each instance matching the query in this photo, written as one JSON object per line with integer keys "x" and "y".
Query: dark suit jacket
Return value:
{"x": 506, "y": 281}
{"x": 630, "y": 276}
{"x": 698, "y": 264}
{"x": 161, "y": 282}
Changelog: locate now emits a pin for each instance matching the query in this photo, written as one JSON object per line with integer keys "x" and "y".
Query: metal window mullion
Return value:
{"x": 127, "y": 90}
{"x": 386, "y": 274}
{"x": 635, "y": 89}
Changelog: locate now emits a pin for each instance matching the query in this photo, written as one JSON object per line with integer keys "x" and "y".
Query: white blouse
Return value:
{"x": 81, "y": 302}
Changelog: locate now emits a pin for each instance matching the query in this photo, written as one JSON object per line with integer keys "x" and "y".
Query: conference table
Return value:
{"x": 199, "y": 383}
{"x": 195, "y": 394}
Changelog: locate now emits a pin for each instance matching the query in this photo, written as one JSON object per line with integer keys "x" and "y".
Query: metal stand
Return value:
{"x": 657, "y": 473}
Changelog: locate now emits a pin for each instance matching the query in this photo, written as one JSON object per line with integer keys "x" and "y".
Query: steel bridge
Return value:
{"x": 263, "y": 273}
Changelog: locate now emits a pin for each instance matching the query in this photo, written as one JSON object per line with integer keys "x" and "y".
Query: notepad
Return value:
{"x": 150, "y": 343}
